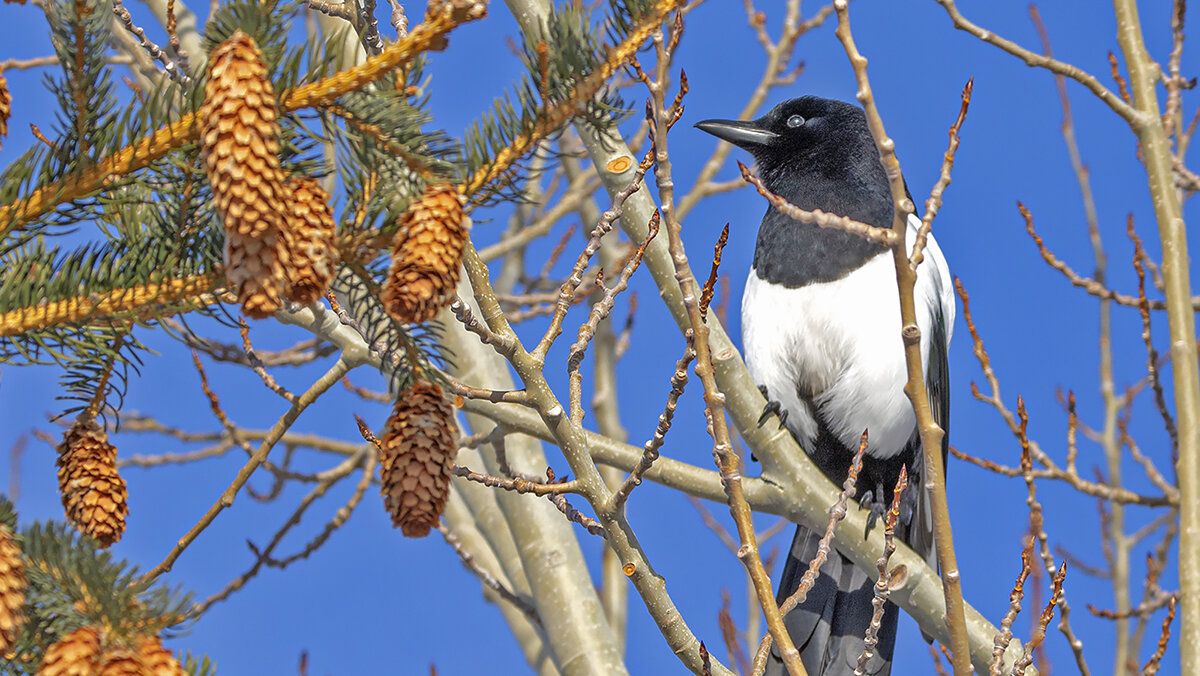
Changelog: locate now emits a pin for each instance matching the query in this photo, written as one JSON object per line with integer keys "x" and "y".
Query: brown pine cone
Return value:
{"x": 158, "y": 660}
{"x": 75, "y": 654}
{"x": 240, "y": 143}
{"x": 93, "y": 493}
{"x": 309, "y": 229}
{"x": 417, "y": 458}
{"x": 12, "y": 589}
{"x": 427, "y": 256}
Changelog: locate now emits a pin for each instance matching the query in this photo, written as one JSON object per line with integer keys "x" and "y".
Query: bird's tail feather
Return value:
{"x": 830, "y": 627}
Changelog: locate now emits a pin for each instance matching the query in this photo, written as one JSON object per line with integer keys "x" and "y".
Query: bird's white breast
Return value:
{"x": 840, "y": 342}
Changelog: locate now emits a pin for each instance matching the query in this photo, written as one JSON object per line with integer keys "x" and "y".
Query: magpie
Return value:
{"x": 821, "y": 336}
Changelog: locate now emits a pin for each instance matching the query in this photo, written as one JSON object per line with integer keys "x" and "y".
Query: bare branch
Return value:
{"x": 1004, "y": 637}
{"x": 879, "y": 602}
{"x": 1120, "y": 107}
{"x": 817, "y": 217}
{"x": 335, "y": 372}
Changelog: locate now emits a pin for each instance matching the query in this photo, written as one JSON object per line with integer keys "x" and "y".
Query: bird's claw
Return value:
{"x": 772, "y": 408}
{"x": 878, "y": 509}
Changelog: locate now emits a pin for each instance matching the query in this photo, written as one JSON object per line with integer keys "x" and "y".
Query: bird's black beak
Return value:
{"x": 740, "y": 133}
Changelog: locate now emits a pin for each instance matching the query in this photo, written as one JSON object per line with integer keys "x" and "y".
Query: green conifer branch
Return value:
{"x": 138, "y": 302}
{"x": 144, "y": 301}
{"x": 633, "y": 23}
{"x": 72, "y": 584}
{"x": 430, "y": 35}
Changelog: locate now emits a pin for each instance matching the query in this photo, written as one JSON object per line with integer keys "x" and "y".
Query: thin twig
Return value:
{"x": 517, "y": 484}
{"x": 259, "y": 368}
{"x": 726, "y": 457}
{"x": 1037, "y": 527}
{"x": 1051, "y": 469}
{"x": 328, "y": 380}
{"x": 569, "y": 288}
{"x": 172, "y": 69}
{"x": 262, "y": 557}
{"x": 599, "y": 313}
{"x": 824, "y": 219}
{"x": 650, "y": 449}
{"x": 706, "y": 294}
{"x": 1088, "y": 284}
{"x": 1004, "y": 636}
{"x": 1151, "y": 667}
{"x": 470, "y": 563}
{"x": 879, "y": 602}
{"x": 934, "y": 203}
{"x": 931, "y": 434}
{"x": 1039, "y": 634}
{"x": 837, "y": 512}
{"x": 1119, "y": 106}
{"x": 1160, "y": 399}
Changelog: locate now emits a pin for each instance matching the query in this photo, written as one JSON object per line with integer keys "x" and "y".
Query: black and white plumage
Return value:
{"x": 821, "y": 334}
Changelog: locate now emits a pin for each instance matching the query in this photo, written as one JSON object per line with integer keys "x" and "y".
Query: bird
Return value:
{"x": 821, "y": 337}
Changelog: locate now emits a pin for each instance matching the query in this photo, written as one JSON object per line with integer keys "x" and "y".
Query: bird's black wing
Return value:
{"x": 830, "y": 626}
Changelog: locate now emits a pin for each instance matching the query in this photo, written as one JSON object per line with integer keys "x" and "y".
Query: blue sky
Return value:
{"x": 372, "y": 601}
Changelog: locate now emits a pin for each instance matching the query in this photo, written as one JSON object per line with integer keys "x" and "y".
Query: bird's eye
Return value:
{"x": 795, "y": 121}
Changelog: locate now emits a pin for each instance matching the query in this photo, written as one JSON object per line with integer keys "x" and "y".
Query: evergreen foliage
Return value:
{"x": 75, "y": 584}
{"x": 109, "y": 227}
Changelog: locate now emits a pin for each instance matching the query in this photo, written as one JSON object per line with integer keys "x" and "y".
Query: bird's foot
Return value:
{"x": 878, "y": 507}
{"x": 772, "y": 408}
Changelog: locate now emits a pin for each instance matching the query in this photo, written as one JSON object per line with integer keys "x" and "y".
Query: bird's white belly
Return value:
{"x": 838, "y": 343}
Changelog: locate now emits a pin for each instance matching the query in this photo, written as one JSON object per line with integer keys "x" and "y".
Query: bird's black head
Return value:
{"x": 817, "y": 154}
{"x": 802, "y": 136}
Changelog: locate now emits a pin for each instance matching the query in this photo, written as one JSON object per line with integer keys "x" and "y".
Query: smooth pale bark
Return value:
{"x": 1144, "y": 74}
{"x": 560, "y": 585}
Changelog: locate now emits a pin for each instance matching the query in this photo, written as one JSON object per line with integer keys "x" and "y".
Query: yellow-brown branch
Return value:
{"x": 428, "y": 36}
{"x": 140, "y": 301}
{"x": 559, "y": 115}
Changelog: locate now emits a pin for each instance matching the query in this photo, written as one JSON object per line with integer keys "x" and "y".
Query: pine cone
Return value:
{"x": 158, "y": 660}
{"x": 93, "y": 493}
{"x": 417, "y": 458}
{"x": 122, "y": 662}
{"x": 75, "y": 654}
{"x": 5, "y": 105}
{"x": 427, "y": 256}
{"x": 240, "y": 144}
{"x": 12, "y": 589}
{"x": 309, "y": 230}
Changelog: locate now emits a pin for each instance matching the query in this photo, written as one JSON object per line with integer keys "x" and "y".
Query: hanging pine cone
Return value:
{"x": 5, "y": 106}
{"x": 93, "y": 493}
{"x": 158, "y": 660}
{"x": 427, "y": 256}
{"x": 75, "y": 654}
{"x": 240, "y": 144}
{"x": 309, "y": 230}
{"x": 417, "y": 458}
{"x": 12, "y": 589}
{"x": 122, "y": 662}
